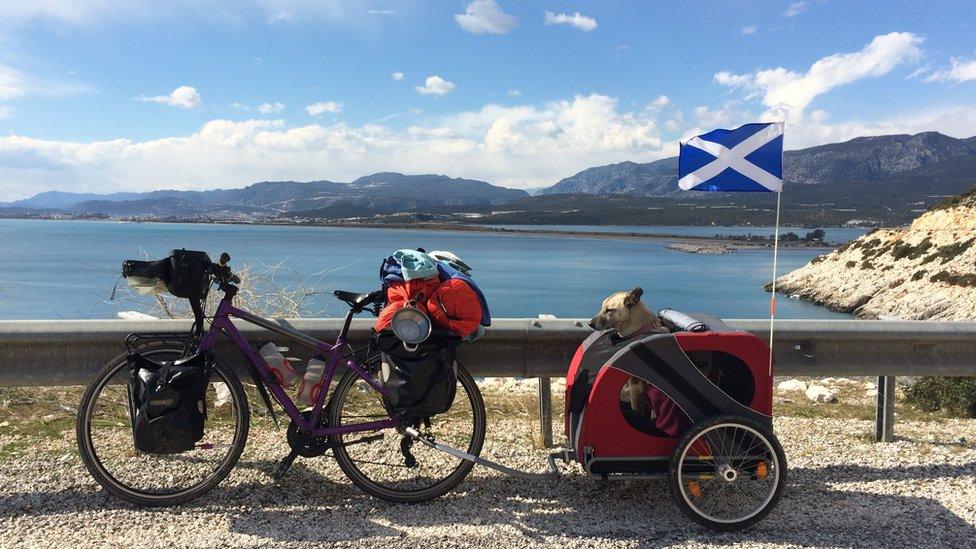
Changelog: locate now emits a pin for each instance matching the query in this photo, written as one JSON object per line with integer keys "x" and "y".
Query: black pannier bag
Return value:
{"x": 185, "y": 273}
{"x": 190, "y": 275}
{"x": 167, "y": 403}
{"x": 420, "y": 383}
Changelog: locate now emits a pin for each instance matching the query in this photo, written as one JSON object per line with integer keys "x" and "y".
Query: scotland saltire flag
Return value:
{"x": 748, "y": 158}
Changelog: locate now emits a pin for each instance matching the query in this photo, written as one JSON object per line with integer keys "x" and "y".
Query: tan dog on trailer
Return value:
{"x": 626, "y": 314}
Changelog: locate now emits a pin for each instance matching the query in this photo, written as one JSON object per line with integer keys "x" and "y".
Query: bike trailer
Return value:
{"x": 704, "y": 366}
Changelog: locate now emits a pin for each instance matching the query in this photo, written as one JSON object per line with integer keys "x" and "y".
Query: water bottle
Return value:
{"x": 308, "y": 390}
{"x": 277, "y": 364}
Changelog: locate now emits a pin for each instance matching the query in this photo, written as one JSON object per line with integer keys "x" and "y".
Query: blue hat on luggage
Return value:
{"x": 415, "y": 264}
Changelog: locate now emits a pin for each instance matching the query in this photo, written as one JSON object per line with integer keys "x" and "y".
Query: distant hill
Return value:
{"x": 380, "y": 192}
{"x": 886, "y": 180}
{"x": 862, "y": 160}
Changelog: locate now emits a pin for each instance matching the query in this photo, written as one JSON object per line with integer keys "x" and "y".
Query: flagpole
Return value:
{"x": 772, "y": 297}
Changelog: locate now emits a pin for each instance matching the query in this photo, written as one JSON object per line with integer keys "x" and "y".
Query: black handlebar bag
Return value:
{"x": 185, "y": 273}
{"x": 419, "y": 383}
{"x": 167, "y": 403}
{"x": 190, "y": 274}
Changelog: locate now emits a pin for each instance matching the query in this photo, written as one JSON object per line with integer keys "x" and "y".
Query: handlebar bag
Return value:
{"x": 147, "y": 277}
{"x": 190, "y": 275}
{"x": 420, "y": 383}
{"x": 167, "y": 403}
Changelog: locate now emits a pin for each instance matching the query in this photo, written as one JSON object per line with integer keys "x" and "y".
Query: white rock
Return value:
{"x": 792, "y": 385}
{"x": 819, "y": 393}
{"x": 871, "y": 392}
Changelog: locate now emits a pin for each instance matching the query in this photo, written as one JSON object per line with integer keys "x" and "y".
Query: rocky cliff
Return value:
{"x": 926, "y": 271}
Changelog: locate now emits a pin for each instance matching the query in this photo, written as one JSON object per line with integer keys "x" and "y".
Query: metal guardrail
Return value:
{"x": 65, "y": 352}
{"x": 68, "y": 352}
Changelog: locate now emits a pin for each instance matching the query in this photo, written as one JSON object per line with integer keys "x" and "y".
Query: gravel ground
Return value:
{"x": 843, "y": 490}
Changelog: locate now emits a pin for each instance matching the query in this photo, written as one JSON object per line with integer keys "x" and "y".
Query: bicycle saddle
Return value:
{"x": 358, "y": 300}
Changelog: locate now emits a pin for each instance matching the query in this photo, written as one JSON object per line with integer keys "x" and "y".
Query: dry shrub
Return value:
{"x": 275, "y": 291}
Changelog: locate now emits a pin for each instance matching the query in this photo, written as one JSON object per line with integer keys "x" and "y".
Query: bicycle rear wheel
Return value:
{"x": 375, "y": 462}
{"x": 104, "y": 435}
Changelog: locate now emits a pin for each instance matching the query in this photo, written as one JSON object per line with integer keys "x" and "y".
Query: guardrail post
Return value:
{"x": 884, "y": 415}
{"x": 545, "y": 411}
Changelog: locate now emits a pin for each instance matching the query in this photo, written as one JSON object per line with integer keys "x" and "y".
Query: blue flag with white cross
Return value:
{"x": 746, "y": 159}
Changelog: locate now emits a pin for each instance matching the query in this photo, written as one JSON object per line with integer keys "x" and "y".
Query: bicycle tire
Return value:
{"x": 441, "y": 487}
{"x": 118, "y": 489}
{"x": 761, "y": 437}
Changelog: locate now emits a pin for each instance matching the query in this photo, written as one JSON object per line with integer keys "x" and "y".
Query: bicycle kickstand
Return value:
{"x": 287, "y": 461}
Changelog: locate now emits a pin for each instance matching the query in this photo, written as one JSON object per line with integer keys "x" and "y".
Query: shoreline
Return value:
{"x": 731, "y": 242}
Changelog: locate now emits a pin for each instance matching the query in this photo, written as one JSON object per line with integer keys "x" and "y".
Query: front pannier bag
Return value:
{"x": 167, "y": 403}
{"x": 419, "y": 383}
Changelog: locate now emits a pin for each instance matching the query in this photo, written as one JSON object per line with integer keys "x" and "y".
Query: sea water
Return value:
{"x": 66, "y": 269}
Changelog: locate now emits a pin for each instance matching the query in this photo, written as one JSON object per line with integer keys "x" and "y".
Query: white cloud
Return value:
{"x": 960, "y": 70}
{"x": 750, "y": 29}
{"x": 322, "y": 107}
{"x": 396, "y": 76}
{"x": 582, "y": 22}
{"x": 485, "y": 16}
{"x": 435, "y": 85}
{"x": 659, "y": 102}
{"x": 787, "y": 93}
{"x": 514, "y": 93}
{"x": 280, "y": 17}
{"x": 13, "y": 83}
{"x": 796, "y": 8}
{"x": 228, "y": 12}
{"x": 525, "y": 145}
{"x": 269, "y": 108}
{"x": 239, "y": 106}
{"x": 184, "y": 97}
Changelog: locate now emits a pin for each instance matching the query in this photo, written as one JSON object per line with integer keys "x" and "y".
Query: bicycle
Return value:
{"x": 373, "y": 445}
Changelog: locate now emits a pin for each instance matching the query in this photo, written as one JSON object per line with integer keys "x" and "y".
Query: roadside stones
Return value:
{"x": 821, "y": 394}
{"x": 792, "y": 385}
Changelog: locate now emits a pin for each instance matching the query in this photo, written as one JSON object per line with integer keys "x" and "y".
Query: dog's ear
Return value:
{"x": 633, "y": 297}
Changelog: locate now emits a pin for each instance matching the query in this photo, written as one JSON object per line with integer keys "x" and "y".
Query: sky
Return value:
{"x": 130, "y": 95}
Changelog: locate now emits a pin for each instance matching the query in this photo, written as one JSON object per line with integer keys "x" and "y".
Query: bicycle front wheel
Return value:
{"x": 377, "y": 461}
{"x": 105, "y": 441}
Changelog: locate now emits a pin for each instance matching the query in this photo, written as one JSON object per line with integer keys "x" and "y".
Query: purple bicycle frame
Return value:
{"x": 222, "y": 323}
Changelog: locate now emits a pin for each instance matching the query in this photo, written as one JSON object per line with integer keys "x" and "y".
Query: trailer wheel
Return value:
{"x": 727, "y": 472}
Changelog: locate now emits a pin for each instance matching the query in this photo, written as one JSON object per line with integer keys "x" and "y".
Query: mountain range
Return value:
{"x": 882, "y": 159}
{"x": 380, "y": 192}
{"x": 883, "y": 178}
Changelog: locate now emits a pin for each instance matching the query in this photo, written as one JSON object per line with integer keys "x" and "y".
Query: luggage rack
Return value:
{"x": 186, "y": 339}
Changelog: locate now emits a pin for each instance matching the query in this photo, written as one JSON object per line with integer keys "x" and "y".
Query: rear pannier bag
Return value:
{"x": 167, "y": 403}
{"x": 421, "y": 383}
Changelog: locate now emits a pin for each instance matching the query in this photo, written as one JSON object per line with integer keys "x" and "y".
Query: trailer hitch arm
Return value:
{"x": 416, "y": 435}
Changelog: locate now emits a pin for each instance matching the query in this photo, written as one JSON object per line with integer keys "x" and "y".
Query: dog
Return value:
{"x": 626, "y": 314}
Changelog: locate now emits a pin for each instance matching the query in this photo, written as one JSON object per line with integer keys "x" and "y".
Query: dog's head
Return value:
{"x": 618, "y": 310}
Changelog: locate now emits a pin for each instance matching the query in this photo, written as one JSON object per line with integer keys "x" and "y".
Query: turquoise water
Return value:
{"x": 66, "y": 269}
{"x": 835, "y": 235}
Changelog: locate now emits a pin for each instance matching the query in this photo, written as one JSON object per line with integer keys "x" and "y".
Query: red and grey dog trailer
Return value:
{"x": 706, "y": 427}
{"x": 708, "y": 430}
